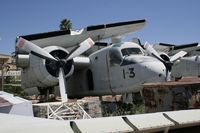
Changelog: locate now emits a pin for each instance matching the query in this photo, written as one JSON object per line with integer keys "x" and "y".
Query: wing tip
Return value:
{"x": 102, "y": 26}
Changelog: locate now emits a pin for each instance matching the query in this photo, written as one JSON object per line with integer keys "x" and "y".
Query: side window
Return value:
{"x": 90, "y": 80}
{"x": 115, "y": 57}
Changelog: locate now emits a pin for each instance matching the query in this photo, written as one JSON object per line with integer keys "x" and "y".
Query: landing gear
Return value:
{"x": 132, "y": 98}
{"x": 47, "y": 94}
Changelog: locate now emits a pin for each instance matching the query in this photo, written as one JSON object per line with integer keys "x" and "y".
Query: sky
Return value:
{"x": 168, "y": 21}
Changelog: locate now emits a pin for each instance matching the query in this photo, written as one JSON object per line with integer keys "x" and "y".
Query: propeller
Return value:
{"x": 40, "y": 52}
{"x": 168, "y": 63}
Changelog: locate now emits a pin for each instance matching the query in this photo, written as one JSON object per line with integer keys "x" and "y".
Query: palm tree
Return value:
{"x": 65, "y": 24}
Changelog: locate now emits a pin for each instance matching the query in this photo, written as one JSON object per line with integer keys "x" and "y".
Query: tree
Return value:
{"x": 65, "y": 24}
{"x": 13, "y": 86}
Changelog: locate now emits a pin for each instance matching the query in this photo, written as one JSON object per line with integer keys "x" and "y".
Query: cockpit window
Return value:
{"x": 130, "y": 51}
{"x": 115, "y": 56}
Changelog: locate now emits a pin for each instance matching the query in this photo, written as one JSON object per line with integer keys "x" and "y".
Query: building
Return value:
{"x": 7, "y": 69}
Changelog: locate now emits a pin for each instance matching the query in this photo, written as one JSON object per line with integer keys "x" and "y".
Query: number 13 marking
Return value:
{"x": 131, "y": 72}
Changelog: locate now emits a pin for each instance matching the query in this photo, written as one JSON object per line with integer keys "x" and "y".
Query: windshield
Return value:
{"x": 130, "y": 51}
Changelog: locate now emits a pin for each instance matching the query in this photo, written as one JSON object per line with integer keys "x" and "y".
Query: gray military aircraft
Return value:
{"x": 186, "y": 66}
{"x": 52, "y": 58}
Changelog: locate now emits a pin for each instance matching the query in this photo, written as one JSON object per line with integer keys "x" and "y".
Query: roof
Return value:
{"x": 5, "y": 55}
{"x": 7, "y": 99}
{"x": 4, "y": 102}
{"x": 5, "y": 58}
{"x": 11, "y": 104}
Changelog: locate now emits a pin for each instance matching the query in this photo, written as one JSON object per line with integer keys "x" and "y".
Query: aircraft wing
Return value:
{"x": 68, "y": 38}
{"x": 171, "y": 49}
{"x": 172, "y": 121}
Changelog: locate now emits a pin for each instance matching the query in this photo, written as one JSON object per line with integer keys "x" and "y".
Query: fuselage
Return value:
{"x": 117, "y": 69}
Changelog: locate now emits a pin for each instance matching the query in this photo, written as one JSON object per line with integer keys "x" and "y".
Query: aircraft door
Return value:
{"x": 124, "y": 75}
{"x": 115, "y": 71}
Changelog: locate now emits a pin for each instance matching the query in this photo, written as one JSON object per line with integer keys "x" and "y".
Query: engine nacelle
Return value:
{"x": 44, "y": 73}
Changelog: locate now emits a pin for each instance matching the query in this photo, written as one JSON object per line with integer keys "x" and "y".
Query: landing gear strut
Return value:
{"x": 47, "y": 94}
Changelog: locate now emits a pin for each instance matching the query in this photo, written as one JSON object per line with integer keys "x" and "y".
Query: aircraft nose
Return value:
{"x": 154, "y": 71}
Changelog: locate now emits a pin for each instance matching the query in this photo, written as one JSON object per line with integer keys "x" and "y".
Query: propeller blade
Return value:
{"x": 34, "y": 49}
{"x": 62, "y": 85}
{"x": 178, "y": 56}
{"x": 168, "y": 75}
{"x": 84, "y": 46}
{"x": 152, "y": 51}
